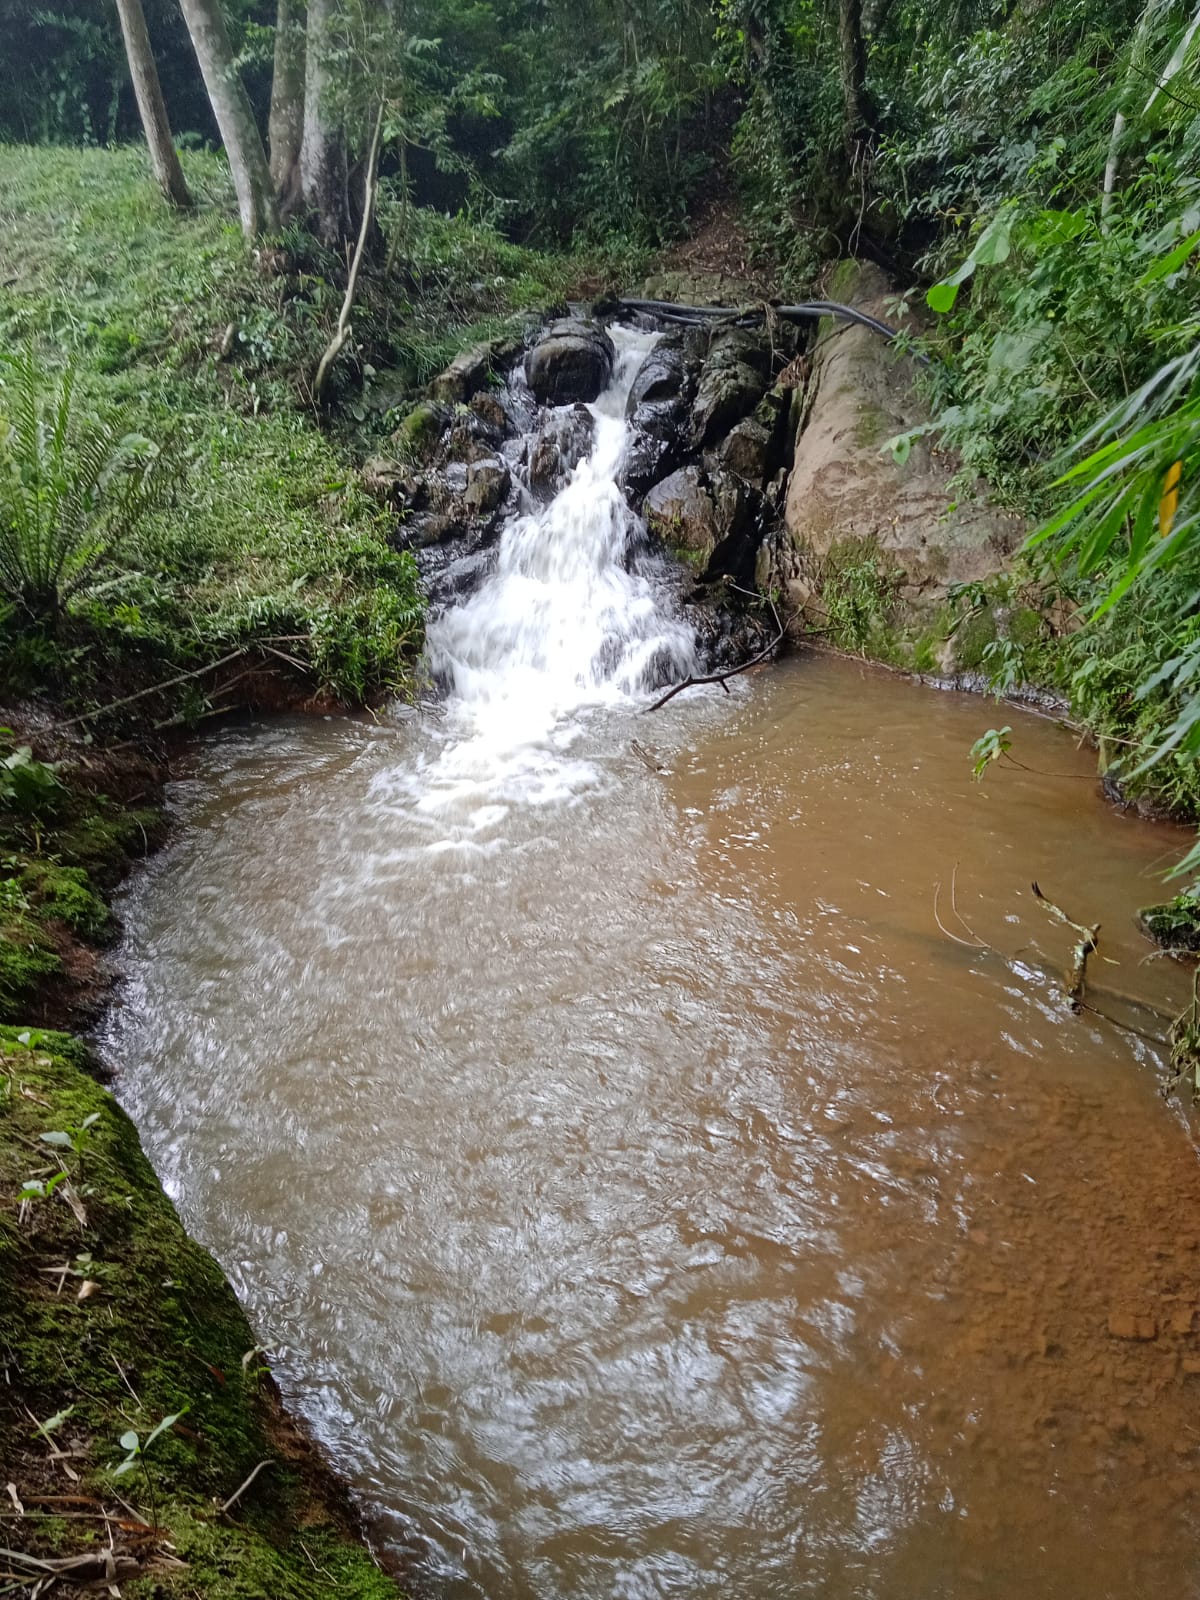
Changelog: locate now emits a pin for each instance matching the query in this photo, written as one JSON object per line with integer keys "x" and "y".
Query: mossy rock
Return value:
{"x": 418, "y": 433}
{"x": 140, "y": 1324}
{"x": 66, "y": 894}
{"x": 28, "y": 960}
{"x": 1174, "y": 924}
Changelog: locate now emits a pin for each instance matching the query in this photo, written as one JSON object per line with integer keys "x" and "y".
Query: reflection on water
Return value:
{"x": 641, "y": 1195}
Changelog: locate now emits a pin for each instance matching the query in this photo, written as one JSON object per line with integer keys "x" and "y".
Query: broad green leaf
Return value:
{"x": 941, "y": 297}
{"x": 1171, "y": 262}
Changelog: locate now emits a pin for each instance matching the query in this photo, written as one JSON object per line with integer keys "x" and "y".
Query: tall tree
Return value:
{"x": 257, "y": 205}
{"x": 323, "y": 169}
{"x": 852, "y": 70}
{"x": 285, "y": 128}
{"x": 146, "y": 87}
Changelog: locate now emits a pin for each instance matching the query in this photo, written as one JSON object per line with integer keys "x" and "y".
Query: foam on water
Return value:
{"x": 561, "y": 627}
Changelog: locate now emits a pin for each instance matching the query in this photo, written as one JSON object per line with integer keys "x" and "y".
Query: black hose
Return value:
{"x": 810, "y": 310}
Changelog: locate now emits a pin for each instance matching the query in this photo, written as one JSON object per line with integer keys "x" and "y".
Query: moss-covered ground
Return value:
{"x": 111, "y": 1320}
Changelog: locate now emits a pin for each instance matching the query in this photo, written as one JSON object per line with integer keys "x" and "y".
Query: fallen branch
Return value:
{"x": 1088, "y": 941}
{"x": 195, "y": 672}
{"x": 723, "y": 678}
{"x": 242, "y": 1487}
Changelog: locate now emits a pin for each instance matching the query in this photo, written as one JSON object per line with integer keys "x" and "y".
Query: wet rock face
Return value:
{"x": 733, "y": 381}
{"x": 680, "y": 512}
{"x": 572, "y": 361}
{"x": 745, "y": 451}
{"x": 659, "y": 410}
{"x": 563, "y": 440}
{"x": 713, "y": 513}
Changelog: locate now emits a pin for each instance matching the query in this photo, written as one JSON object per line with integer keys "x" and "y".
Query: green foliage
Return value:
{"x": 71, "y": 491}
{"x": 857, "y": 591}
{"x": 989, "y": 747}
{"x": 27, "y": 786}
{"x": 269, "y": 535}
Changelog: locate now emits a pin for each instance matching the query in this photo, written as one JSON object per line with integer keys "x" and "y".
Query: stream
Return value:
{"x": 637, "y": 1190}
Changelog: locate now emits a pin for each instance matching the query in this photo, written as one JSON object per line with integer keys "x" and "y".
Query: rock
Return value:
{"x": 1127, "y": 1325}
{"x": 697, "y": 288}
{"x": 492, "y": 415}
{"x": 731, "y": 385}
{"x": 573, "y": 360}
{"x": 680, "y": 512}
{"x": 659, "y": 411}
{"x": 386, "y": 480}
{"x": 465, "y": 374}
{"x": 488, "y": 483}
{"x": 419, "y": 432}
{"x": 847, "y": 491}
{"x": 563, "y": 440}
{"x": 745, "y": 451}
{"x": 739, "y": 526}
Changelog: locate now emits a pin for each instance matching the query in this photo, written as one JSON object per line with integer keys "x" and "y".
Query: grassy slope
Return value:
{"x": 271, "y": 535}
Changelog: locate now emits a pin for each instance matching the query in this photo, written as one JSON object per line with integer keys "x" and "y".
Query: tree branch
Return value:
{"x": 343, "y": 330}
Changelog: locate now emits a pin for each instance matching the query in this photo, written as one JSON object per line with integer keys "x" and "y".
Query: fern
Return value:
{"x": 71, "y": 491}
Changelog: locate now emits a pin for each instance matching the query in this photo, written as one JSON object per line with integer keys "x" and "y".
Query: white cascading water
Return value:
{"x": 559, "y": 627}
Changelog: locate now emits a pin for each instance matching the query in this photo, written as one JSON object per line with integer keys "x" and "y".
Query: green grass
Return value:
{"x": 270, "y": 536}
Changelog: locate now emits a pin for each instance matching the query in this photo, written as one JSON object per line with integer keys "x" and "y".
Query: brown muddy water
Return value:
{"x": 640, "y": 1195}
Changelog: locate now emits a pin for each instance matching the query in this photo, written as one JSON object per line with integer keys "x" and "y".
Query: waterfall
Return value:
{"x": 563, "y": 624}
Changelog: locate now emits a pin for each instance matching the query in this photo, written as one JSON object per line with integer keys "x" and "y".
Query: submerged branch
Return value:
{"x": 1089, "y": 939}
{"x": 691, "y": 682}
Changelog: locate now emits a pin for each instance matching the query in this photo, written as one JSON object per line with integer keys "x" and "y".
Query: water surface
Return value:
{"x": 639, "y": 1192}
{"x": 656, "y": 1150}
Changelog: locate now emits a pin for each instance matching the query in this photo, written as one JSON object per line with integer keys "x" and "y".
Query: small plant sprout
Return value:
{"x": 72, "y": 1138}
{"x": 47, "y": 1430}
{"x": 136, "y": 1450}
{"x": 990, "y": 747}
{"x": 39, "y": 1188}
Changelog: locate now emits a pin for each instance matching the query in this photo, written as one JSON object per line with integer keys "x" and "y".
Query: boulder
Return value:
{"x": 572, "y": 361}
{"x": 659, "y": 411}
{"x": 488, "y": 483}
{"x": 465, "y": 374}
{"x": 563, "y": 440}
{"x": 745, "y": 451}
{"x": 420, "y": 432}
{"x": 846, "y": 490}
{"x": 734, "y": 379}
{"x": 680, "y": 512}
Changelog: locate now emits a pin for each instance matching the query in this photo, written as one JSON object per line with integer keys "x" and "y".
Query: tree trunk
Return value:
{"x": 852, "y": 62}
{"x": 286, "y": 126}
{"x": 324, "y": 177}
{"x": 1134, "y": 74}
{"x": 151, "y": 106}
{"x": 257, "y": 206}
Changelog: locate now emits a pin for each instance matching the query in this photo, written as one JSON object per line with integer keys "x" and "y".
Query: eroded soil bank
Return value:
{"x": 642, "y": 1192}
